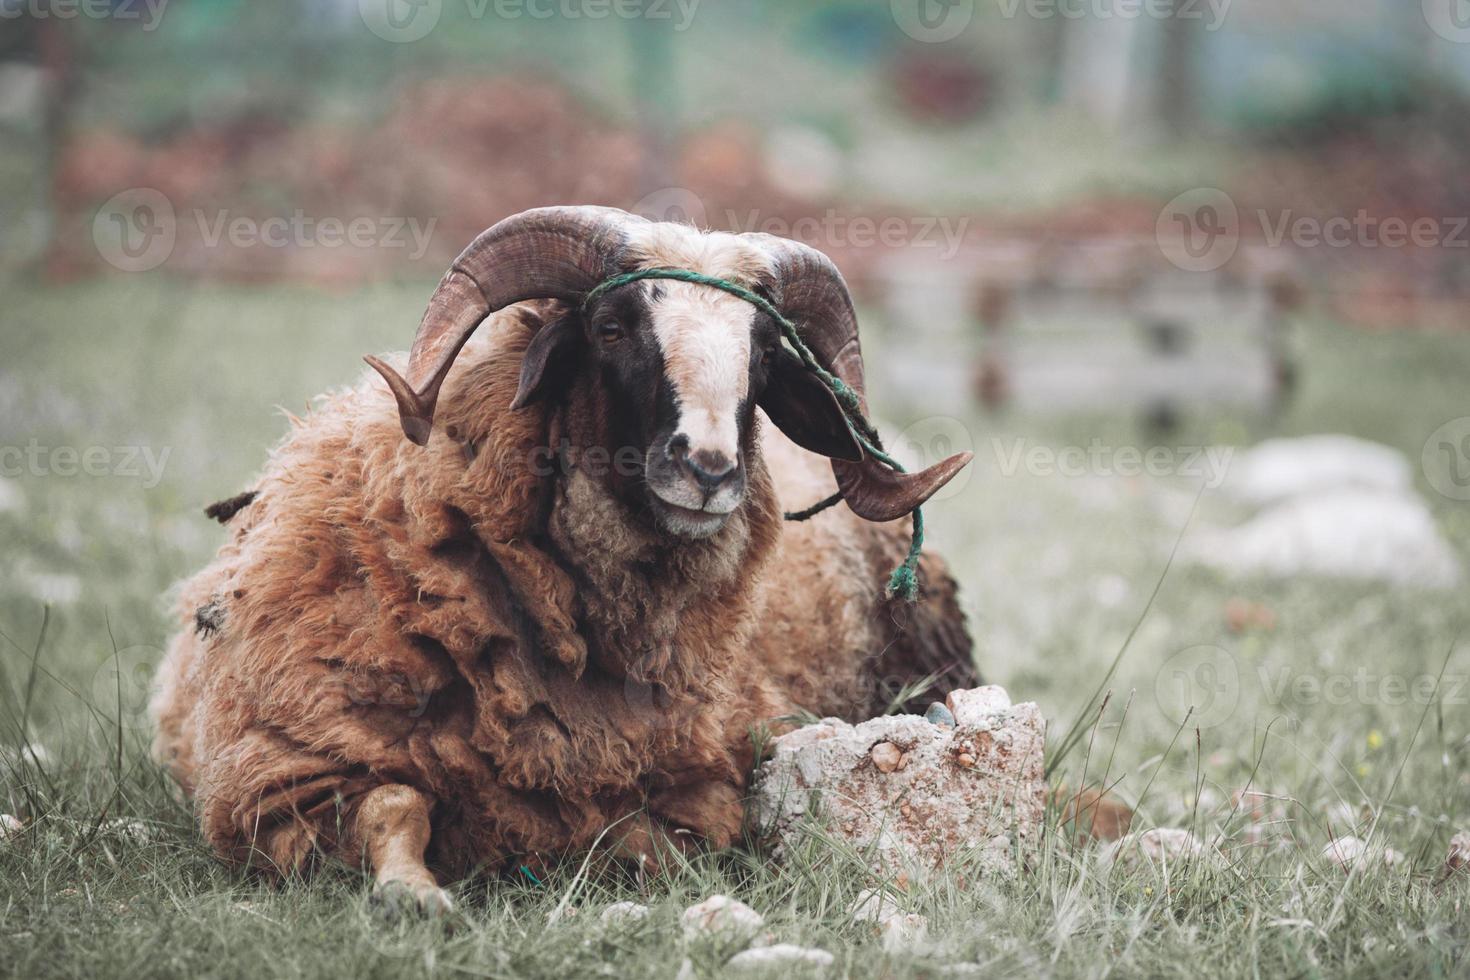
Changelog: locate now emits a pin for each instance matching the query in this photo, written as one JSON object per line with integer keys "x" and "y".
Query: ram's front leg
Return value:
{"x": 391, "y": 831}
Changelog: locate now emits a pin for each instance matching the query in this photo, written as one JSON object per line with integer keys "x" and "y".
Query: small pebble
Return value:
{"x": 135, "y": 829}
{"x": 1458, "y": 860}
{"x": 721, "y": 915}
{"x": 940, "y": 715}
{"x": 903, "y": 933}
{"x": 875, "y": 905}
{"x": 1348, "y": 852}
{"x": 1161, "y": 845}
{"x": 622, "y": 913}
{"x": 965, "y": 759}
{"x": 886, "y": 756}
{"x": 781, "y": 954}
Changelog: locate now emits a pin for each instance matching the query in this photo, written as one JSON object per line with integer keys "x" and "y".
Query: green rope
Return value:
{"x": 904, "y": 580}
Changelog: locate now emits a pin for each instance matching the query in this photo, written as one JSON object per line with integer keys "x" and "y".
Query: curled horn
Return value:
{"x": 545, "y": 253}
{"x": 812, "y": 294}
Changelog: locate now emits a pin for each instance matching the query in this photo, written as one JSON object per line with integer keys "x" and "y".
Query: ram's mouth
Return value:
{"x": 687, "y": 522}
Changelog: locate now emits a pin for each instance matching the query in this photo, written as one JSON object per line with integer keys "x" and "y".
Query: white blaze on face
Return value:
{"x": 704, "y": 336}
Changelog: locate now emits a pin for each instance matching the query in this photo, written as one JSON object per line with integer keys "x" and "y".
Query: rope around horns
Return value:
{"x": 904, "y": 581}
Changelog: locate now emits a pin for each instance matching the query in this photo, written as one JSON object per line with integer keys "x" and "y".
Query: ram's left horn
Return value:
{"x": 545, "y": 253}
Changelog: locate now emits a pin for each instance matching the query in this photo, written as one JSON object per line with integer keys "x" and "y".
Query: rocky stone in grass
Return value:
{"x": 1158, "y": 847}
{"x": 779, "y": 955}
{"x": 1458, "y": 859}
{"x": 904, "y": 933}
{"x": 1350, "y": 852}
{"x": 624, "y": 913}
{"x": 909, "y": 794}
{"x": 722, "y": 917}
{"x": 1278, "y": 469}
{"x": 899, "y": 930}
{"x": 1347, "y": 533}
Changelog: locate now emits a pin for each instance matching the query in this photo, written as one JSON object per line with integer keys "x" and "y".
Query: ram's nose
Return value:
{"x": 710, "y": 468}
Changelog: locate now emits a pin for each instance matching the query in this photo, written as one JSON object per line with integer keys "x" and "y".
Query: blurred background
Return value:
{"x": 1131, "y": 252}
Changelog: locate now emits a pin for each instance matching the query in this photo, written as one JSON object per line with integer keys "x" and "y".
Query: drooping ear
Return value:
{"x": 803, "y": 407}
{"x": 548, "y": 360}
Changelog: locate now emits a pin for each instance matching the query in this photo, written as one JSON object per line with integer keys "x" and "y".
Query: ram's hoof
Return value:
{"x": 394, "y": 901}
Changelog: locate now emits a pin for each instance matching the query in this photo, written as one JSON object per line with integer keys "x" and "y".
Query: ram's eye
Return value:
{"x": 769, "y": 354}
{"x": 610, "y": 331}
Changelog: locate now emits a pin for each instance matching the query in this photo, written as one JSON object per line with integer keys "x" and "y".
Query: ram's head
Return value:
{"x": 684, "y": 365}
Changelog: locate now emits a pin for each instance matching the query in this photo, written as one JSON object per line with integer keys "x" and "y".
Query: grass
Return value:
{"x": 109, "y": 877}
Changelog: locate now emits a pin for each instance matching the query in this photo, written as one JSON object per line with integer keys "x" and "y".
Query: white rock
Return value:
{"x": 1161, "y": 846}
{"x": 1458, "y": 858}
{"x": 875, "y": 905}
{"x": 136, "y": 829}
{"x": 782, "y": 954}
{"x": 978, "y": 707}
{"x": 1350, "y": 852}
{"x": 622, "y": 913}
{"x": 1359, "y": 534}
{"x": 976, "y": 788}
{"x": 721, "y": 915}
{"x": 1281, "y": 468}
{"x": 904, "y": 933}
{"x": 9, "y": 825}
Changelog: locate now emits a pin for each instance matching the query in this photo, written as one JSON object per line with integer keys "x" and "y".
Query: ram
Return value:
{"x": 552, "y": 617}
